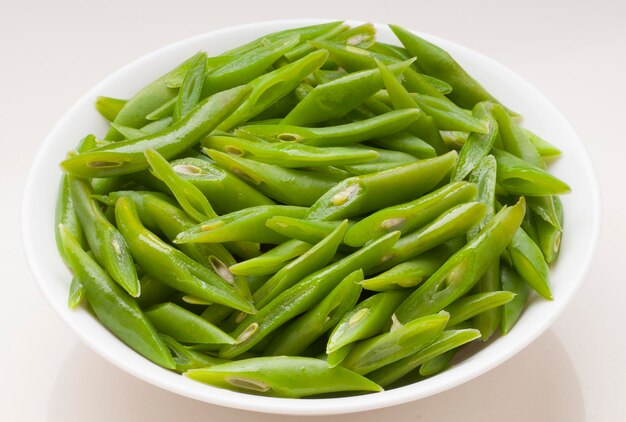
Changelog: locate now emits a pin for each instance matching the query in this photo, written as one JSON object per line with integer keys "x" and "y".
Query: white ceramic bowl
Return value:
{"x": 582, "y": 217}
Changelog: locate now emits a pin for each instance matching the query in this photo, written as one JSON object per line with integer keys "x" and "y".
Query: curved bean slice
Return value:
{"x": 470, "y": 306}
{"x": 310, "y": 231}
{"x": 511, "y": 311}
{"x": 529, "y": 262}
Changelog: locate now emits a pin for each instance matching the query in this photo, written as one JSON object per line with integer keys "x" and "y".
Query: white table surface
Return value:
{"x": 572, "y": 50}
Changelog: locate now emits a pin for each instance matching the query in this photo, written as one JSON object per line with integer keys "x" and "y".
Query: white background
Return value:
{"x": 51, "y": 52}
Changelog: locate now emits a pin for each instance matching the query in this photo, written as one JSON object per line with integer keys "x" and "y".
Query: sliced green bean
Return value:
{"x": 336, "y": 98}
{"x": 290, "y": 155}
{"x": 448, "y": 340}
{"x": 405, "y": 142}
{"x": 282, "y": 376}
{"x": 245, "y": 67}
{"x": 448, "y": 226}
{"x": 269, "y": 88}
{"x": 412, "y": 215}
{"x": 400, "y": 342}
{"x": 191, "y": 88}
{"x": 127, "y": 156}
{"x": 312, "y": 260}
{"x": 310, "y": 231}
{"x": 519, "y": 177}
{"x": 247, "y": 224}
{"x": 361, "y": 194}
{"x": 114, "y": 307}
{"x": 303, "y": 295}
{"x": 289, "y": 186}
{"x": 185, "y": 326}
{"x": 107, "y": 244}
{"x": 409, "y": 273}
{"x": 369, "y": 318}
{"x": 350, "y": 133}
{"x": 109, "y": 107}
{"x": 225, "y": 191}
{"x": 511, "y": 311}
{"x": 550, "y": 237}
{"x": 311, "y": 325}
{"x": 273, "y": 260}
{"x": 169, "y": 265}
{"x": 463, "y": 270}
{"x": 530, "y": 264}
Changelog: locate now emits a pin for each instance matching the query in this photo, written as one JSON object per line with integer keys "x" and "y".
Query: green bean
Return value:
{"x": 477, "y": 145}
{"x": 361, "y": 194}
{"x": 76, "y": 294}
{"x": 107, "y": 244}
{"x": 386, "y": 160}
{"x": 303, "y": 295}
{"x": 188, "y": 196}
{"x": 109, "y": 107}
{"x": 336, "y": 98}
{"x": 461, "y": 272}
{"x": 452, "y": 223}
{"x": 447, "y": 115}
{"x": 530, "y": 264}
{"x": 312, "y": 260}
{"x": 550, "y": 237}
{"x": 519, "y": 177}
{"x": 412, "y": 215}
{"x": 169, "y": 265}
{"x": 269, "y": 88}
{"x": 248, "y": 224}
{"x": 311, "y": 325}
{"x": 305, "y": 33}
{"x": 225, "y": 191}
{"x": 369, "y": 318}
{"x": 400, "y": 342}
{"x": 185, "y": 326}
{"x": 273, "y": 260}
{"x": 187, "y": 358}
{"x": 470, "y": 306}
{"x": 282, "y": 376}
{"x": 289, "y": 186}
{"x": 127, "y": 156}
{"x": 408, "y": 273}
{"x": 310, "y": 231}
{"x": 511, "y": 311}
{"x": 436, "y": 62}
{"x": 191, "y": 88}
{"x": 290, "y": 155}
{"x": 245, "y": 67}
{"x": 166, "y": 110}
{"x": 437, "y": 364}
{"x": 350, "y": 133}
{"x": 544, "y": 148}
{"x": 405, "y": 142}
{"x": 113, "y": 306}
{"x": 425, "y": 127}
{"x": 448, "y": 340}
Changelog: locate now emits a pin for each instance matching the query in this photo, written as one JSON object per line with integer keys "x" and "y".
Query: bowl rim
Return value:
{"x": 302, "y": 406}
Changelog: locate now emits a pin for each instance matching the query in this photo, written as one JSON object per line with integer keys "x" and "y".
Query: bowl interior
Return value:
{"x": 581, "y": 223}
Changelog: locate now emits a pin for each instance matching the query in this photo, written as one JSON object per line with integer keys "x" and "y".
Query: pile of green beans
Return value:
{"x": 312, "y": 213}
